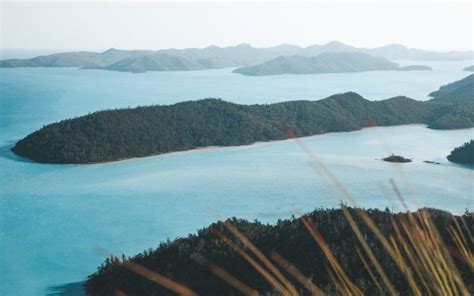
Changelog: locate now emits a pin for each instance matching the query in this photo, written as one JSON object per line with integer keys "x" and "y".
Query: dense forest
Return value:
{"x": 458, "y": 91}
{"x": 463, "y": 154}
{"x": 214, "y": 57}
{"x": 192, "y": 261}
{"x": 136, "y": 132}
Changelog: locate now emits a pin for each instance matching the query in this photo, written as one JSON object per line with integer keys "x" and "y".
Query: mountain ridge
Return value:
{"x": 223, "y": 57}
{"x": 112, "y": 135}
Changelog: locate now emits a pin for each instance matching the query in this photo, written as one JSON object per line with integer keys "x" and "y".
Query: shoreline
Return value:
{"x": 211, "y": 148}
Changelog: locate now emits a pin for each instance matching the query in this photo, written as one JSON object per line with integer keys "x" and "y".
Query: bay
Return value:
{"x": 57, "y": 220}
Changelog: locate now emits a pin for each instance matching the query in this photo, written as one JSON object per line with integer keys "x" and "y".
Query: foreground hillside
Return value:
{"x": 197, "y": 261}
{"x": 340, "y": 62}
{"x": 126, "y": 133}
{"x": 463, "y": 154}
{"x": 331, "y": 62}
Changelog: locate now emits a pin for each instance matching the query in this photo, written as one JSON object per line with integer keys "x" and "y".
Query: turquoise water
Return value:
{"x": 56, "y": 220}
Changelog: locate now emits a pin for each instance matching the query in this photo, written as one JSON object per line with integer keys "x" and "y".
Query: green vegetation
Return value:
{"x": 463, "y": 154}
{"x": 155, "y": 62}
{"x": 334, "y": 62}
{"x": 190, "y": 260}
{"x": 458, "y": 91}
{"x": 396, "y": 158}
{"x": 415, "y": 68}
{"x": 214, "y": 57}
{"x": 126, "y": 133}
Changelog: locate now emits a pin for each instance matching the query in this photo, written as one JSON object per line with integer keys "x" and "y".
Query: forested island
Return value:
{"x": 197, "y": 261}
{"x": 463, "y": 154}
{"x": 212, "y": 57}
{"x": 143, "y": 131}
{"x": 330, "y": 62}
{"x": 469, "y": 69}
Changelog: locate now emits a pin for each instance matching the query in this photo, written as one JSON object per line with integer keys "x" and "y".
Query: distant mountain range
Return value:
{"x": 470, "y": 68}
{"x": 463, "y": 154}
{"x": 328, "y": 62}
{"x": 216, "y": 57}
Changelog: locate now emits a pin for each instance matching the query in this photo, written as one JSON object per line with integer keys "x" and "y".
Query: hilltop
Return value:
{"x": 340, "y": 62}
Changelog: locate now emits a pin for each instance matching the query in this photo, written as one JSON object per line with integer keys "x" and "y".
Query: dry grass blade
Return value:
{"x": 337, "y": 284}
{"x": 232, "y": 280}
{"x": 343, "y": 281}
{"x": 266, "y": 275}
{"x": 291, "y": 269}
{"x": 415, "y": 263}
{"x": 430, "y": 248}
{"x": 462, "y": 248}
{"x": 436, "y": 262}
{"x": 369, "y": 270}
{"x": 247, "y": 243}
{"x": 158, "y": 279}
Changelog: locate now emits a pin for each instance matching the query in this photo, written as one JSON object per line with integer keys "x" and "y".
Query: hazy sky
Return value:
{"x": 443, "y": 25}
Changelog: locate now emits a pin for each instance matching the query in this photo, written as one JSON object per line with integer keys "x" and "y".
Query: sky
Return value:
{"x": 433, "y": 25}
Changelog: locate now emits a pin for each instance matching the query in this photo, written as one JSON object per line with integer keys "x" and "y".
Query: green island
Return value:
{"x": 458, "y": 91}
{"x": 144, "y": 131}
{"x": 329, "y": 62}
{"x": 463, "y": 154}
{"x": 191, "y": 260}
{"x": 396, "y": 158}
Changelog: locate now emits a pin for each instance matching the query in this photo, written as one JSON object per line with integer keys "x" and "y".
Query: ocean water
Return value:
{"x": 57, "y": 220}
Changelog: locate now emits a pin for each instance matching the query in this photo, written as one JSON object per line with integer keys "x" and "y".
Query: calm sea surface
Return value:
{"x": 56, "y": 220}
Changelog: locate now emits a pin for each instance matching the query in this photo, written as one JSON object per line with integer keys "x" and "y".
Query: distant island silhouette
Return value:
{"x": 213, "y": 57}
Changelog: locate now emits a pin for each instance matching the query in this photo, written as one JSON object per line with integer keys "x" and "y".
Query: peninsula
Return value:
{"x": 112, "y": 135}
{"x": 458, "y": 91}
{"x": 191, "y": 260}
{"x": 331, "y": 62}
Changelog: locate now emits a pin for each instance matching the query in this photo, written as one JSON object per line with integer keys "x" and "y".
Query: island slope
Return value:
{"x": 458, "y": 91}
{"x": 136, "y": 132}
{"x": 463, "y": 154}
